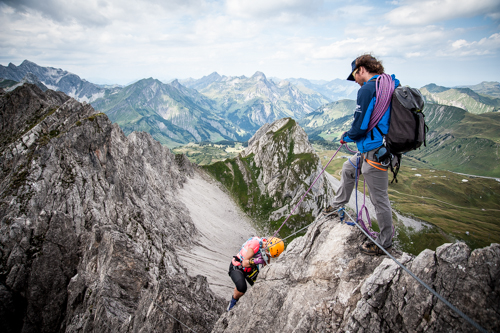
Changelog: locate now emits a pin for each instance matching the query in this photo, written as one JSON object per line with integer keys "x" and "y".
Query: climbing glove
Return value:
{"x": 256, "y": 261}
{"x": 342, "y": 138}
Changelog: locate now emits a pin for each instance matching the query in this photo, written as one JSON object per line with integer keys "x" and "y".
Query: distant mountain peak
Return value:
{"x": 434, "y": 88}
{"x": 214, "y": 75}
{"x": 176, "y": 84}
{"x": 259, "y": 76}
{"x": 27, "y": 62}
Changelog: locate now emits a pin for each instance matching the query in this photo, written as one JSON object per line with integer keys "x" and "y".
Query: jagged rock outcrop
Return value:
{"x": 273, "y": 173}
{"x": 89, "y": 222}
{"x": 287, "y": 160}
{"x": 322, "y": 283}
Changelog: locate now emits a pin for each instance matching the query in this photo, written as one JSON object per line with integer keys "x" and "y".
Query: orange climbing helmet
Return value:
{"x": 275, "y": 247}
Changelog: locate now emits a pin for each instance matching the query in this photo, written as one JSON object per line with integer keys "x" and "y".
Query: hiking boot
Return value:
{"x": 329, "y": 211}
{"x": 372, "y": 249}
{"x": 232, "y": 303}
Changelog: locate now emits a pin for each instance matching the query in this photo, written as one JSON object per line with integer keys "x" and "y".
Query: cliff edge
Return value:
{"x": 322, "y": 283}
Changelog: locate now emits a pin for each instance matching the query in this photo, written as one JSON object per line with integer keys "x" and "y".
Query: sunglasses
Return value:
{"x": 354, "y": 73}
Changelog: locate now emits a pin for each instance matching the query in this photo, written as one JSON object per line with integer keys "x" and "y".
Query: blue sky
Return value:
{"x": 447, "y": 42}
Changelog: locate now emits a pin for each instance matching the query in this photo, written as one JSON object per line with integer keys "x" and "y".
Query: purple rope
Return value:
{"x": 352, "y": 151}
{"x": 384, "y": 86}
{"x": 369, "y": 230}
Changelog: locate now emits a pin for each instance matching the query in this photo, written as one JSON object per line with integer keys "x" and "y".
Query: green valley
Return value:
{"x": 205, "y": 153}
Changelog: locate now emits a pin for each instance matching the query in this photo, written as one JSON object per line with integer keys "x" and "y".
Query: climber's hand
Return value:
{"x": 256, "y": 261}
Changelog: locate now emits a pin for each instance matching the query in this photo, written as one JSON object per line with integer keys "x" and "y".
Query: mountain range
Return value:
{"x": 171, "y": 113}
{"x": 212, "y": 108}
{"x": 252, "y": 102}
{"x": 217, "y": 107}
{"x": 466, "y": 98}
{"x": 333, "y": 90}
{"x": 55, "y": 79}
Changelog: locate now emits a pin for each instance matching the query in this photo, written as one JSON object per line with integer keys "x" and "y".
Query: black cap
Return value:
{"x": 353, "y": 65}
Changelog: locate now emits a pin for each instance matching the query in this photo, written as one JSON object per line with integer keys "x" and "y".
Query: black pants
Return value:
{"x": 239, "y": 278}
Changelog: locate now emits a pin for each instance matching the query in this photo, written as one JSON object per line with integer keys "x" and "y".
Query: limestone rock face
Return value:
{"x": 322, "y": 283}
{"x": 89, "y": 220}
{"x": 288, "y": 166}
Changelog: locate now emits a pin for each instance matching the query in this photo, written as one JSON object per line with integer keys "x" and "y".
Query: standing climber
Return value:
{"x": 244, "y": 266}
{"x": 372, "y": 160}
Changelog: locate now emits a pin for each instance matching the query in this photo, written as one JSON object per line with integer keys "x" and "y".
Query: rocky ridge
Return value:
{"x": 322, "y": 283}
{"x": 272, "y": 174}
{"x": 54, "y": 78}
{"x": 89, "y": 222}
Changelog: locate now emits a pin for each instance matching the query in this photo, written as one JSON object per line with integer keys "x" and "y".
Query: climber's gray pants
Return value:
{"x": 378, "y": 182}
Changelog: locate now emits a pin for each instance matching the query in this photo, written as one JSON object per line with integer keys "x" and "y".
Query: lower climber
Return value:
{"x": 244, "y": 266}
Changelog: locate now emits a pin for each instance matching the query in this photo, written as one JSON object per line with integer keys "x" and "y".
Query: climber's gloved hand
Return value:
{"x": 256, "y": 261}
{"x": 342, "y": 138}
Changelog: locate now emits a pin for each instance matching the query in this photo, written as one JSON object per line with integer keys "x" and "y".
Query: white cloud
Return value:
{"x": 273, "y": 8}
{"x": 92, "y": 13}
{"x": 384, "y": 41}
{"x": 133, "y": 39}
{"x": 485, "y": 46}
{"x": 433, "y": 11}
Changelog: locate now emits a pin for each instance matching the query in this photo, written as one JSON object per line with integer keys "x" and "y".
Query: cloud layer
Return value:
{"x": 119, "y": 41}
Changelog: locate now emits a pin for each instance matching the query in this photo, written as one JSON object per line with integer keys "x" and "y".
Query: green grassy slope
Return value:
{"x": 460, "y": 141}
{"x": 169, "y": 113}
{"x": 464, "y": 98}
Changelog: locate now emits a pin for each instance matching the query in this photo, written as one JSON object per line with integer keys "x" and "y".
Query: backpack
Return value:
{"x": 407, "y": 128}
